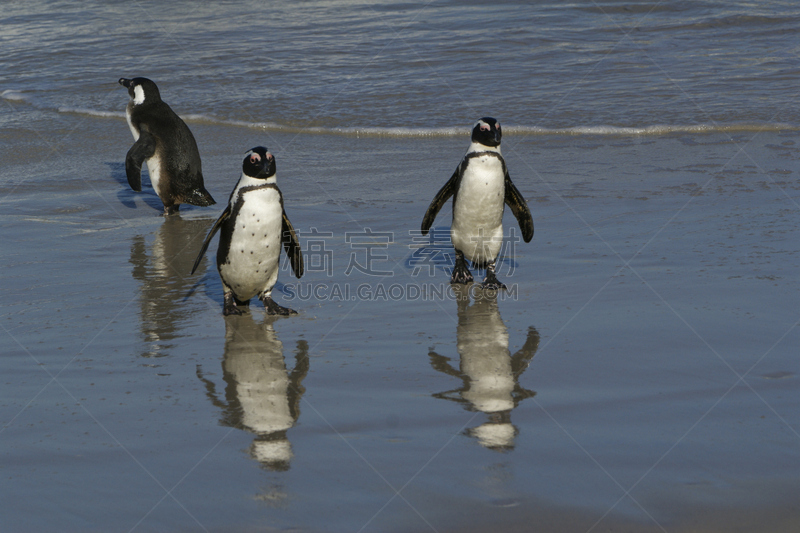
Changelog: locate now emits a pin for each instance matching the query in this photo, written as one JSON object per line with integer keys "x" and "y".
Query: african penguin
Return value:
{"x": 480, "y": 187}
{"x": 254, "y": 226}
{"x": 164, "y": 141}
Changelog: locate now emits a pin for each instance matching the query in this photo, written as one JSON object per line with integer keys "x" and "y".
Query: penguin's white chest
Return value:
{"x": 477, "y": 228}
{"x": 253, "y": 259}
{"x": 154, "y": 162}
{"x": 134, "y": 131}
{"x": 154, "y": 169}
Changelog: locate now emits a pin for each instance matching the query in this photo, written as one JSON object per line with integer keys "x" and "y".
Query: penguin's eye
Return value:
{"x": 255, "y": 158}
{"x": 485, "y": 127}
{"x": 497, "y": 125}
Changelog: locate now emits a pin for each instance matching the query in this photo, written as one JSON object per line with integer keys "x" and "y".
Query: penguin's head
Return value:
{"x": 141, "y": 90}
{"x": 487, "y": 132}
{"x": 258, "y": 163}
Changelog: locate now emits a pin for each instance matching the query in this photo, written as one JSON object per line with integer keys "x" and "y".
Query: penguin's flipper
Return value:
{"x": 225, "y": 214}
{"x": 519, "y": 207}
{"x": 292, "y": 246}
{"x": 141, "y": 150}
{"x": 441, "y": 197}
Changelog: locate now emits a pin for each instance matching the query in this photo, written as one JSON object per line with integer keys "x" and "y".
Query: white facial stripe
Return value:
{"x": 138, "y": 95}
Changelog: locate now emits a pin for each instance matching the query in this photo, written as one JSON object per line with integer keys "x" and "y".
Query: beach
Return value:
{"x": 662, "y": 300}
{"x": 639, "y": 374}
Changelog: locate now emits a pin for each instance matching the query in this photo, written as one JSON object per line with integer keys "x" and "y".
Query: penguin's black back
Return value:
{"x": 177, "y": 150}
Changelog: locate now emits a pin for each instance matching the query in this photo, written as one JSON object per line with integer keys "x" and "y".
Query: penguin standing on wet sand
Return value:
{"x": 164, "y": 141}
{"x": 480, "y": 187}
{"x": 254, "y": 227}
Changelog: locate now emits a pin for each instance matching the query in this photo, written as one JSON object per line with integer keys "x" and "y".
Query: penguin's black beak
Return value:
{"x": 269, "y": 165}
{"x": 125, "y": 82}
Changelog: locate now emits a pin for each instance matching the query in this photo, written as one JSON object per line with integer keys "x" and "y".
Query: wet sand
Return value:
{"x": 641, "y": 375}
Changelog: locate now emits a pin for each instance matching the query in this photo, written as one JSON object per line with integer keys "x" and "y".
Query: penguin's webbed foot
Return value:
{"x": 273, "y": 308}
{"x": 461, "y": 276}
{"x": 461, "y": 273}
{"x": 171, "y": 210}
{"x": 229, "y": 306}
{"x": 228, "y": 310}
{"x": 490, "y": 281}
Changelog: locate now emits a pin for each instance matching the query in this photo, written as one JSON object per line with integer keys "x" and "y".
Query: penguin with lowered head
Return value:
{"x": 164, "y": 142}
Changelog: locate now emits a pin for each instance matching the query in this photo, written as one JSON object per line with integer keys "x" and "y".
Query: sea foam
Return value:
{"x": 454, "y": 131}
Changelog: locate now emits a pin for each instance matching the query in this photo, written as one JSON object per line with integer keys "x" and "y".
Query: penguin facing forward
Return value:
{"x": 164, "y": 142}
{"x": 481, "y": 188}
{"x": 253, "y": 227}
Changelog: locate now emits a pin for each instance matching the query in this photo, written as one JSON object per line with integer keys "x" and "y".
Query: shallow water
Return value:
{"x": 131, "y": 403}
{"x": 640, "y": 374}
{"x": 429, "y": 67}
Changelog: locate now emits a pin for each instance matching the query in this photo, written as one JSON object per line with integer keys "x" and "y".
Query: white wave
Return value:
{"x": 659, "y": 129}
{"x": 11, "y": 94}
{"x": 355, "y": 130}
{"x": 92, "y": 112}
{"x": 453, "y": 131}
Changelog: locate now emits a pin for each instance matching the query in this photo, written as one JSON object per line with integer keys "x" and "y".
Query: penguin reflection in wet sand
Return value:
{"x": 261, "y": 395}
{"x": 164, "y": 141}
{"x": 254, "y": 227}
{"x": 489, "y": 373}
{"x": 480, "y": 187}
